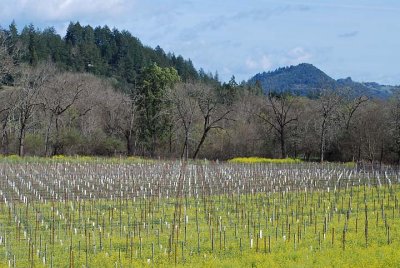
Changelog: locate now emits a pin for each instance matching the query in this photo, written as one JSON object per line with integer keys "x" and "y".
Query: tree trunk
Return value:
{"x": 322, "y": 149}
{"x": 170, "y": 140}
{"x": 47, "y": 137}
{"x": 203, "y": 138}
{"x": 322, "y": 145}
{"x": 57, "y": 145}
{"x": 283, "y": 146}
{"x": 381, "y": 157}
{"x": 21, "y": 141}
{"x": 129, "y": 149}
{"x": 4, "y": 139}
{"x": 185, "y": 149}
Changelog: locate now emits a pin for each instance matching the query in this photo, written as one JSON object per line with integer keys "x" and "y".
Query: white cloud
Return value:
{"x": 263, "y": 63}
{"x": 251, "y": 64}
{"x": 297, "y": 55}
{"x": 277, "y": 59}
{"x": 61, "y": 10}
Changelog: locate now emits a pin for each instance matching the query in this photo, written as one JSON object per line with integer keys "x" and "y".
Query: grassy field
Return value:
{"x": 145, "y": 213}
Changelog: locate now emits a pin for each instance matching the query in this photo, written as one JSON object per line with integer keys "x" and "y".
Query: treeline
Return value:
{"x": 46, "y": 109}
{"x": 101, "y": 51}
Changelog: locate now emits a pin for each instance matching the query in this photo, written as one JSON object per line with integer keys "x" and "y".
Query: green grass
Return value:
{"x": 117, "y": 223}
{"x": 73, "y": 159}
{"x": 255, "y": 160}
{"x": 211, "y": 230}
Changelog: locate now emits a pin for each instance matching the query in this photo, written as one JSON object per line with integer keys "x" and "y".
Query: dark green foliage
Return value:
{"x": 301, "y": 79}
{"x": 229, "y": 92}
{"x": 307, "y": 80}
{"x": 8, "y": 54}
{"x": 152, "y": 105}
{"x": 29, "y": 37}
{"x": 52, "y": 46}
{"x": 207, "y": 78}
{"x": 101, "y": 144}
{"x": 101, "y": 51}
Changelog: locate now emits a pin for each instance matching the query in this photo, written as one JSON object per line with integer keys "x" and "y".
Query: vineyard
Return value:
{"x": 153, "y": 213}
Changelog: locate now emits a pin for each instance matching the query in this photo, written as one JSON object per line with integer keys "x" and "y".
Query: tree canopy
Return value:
{"x": 100, "y": 50}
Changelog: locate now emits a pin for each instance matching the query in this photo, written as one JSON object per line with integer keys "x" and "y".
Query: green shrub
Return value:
{"x": 71, "y": 141}
{"x": 34, "y": 144}
{"x": 101, "y": 144}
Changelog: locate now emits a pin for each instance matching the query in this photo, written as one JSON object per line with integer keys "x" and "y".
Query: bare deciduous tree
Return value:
{"x": 277, "y": 112}
{"x": 8, "y": 101}
{"x": 184, "y": 111}
{"x": 119, "y": 113}
{"x": 30, "y": 85}
{"x": 327, "y": 106}
{"x": 213, "y": 112}
{"x": 59, "y": 95}
{"x": 350, "y": 105}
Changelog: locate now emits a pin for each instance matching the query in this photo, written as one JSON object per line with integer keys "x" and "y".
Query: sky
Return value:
{"x": 358, "y": 39}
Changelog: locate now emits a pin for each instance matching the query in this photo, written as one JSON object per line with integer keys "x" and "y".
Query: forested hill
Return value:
{"x": 100, "y": 50}
{"x": 307, "y": 80}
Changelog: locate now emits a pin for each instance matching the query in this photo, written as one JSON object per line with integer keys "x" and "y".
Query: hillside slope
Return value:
{"x": 307, "y": 80}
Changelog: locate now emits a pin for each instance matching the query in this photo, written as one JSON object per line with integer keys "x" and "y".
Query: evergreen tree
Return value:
{"x": 152, "y": 104}
{"x": 105, "y": 52}
{"x": 29, "y": 35}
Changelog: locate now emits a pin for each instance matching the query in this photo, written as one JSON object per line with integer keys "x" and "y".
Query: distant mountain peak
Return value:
{"x": 305, "y": 79}
{"x": 347, "y": 79}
